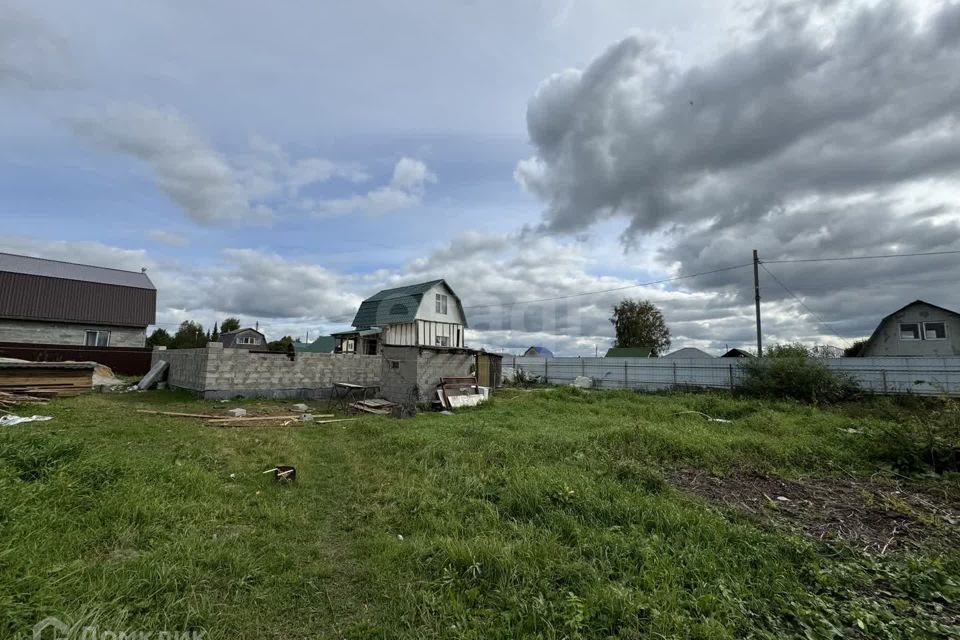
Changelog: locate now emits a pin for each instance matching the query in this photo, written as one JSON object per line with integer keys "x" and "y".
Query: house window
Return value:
{"x": 934, "y": 331}
{"x": 441, "y": 304}
{"x": 442, "y": 341}
{"x": 248, "y": 340}
{"x": 98, "y": 339}
{"x": 909, "y": 331}
{"x": 349, "y": 346}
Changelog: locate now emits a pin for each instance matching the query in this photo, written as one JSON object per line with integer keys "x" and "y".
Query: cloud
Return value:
{"x": 405, "y": 190}
{"x": 169, "y": 238}
{"x": 824, "y": 129}
{"x": 790, "y": 113}
{"x": 253, "y": 188}
{"x": 185, "y": 167}
{"x": 32, "y": 55}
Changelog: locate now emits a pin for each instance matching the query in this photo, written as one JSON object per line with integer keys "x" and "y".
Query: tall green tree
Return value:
{"x": 159, "y": 338}
{"x": 856, "y": 349}
{"x": 283, "y": 344}
{"x": 215, "y": 334}
{"x": 190, "y": 335}
{"x": 230, "y": 324}
{"x": 639, "y": 323}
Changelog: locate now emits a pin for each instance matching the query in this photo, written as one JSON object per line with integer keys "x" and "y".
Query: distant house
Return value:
{"x": 64, "y": 303}
{"x": 538, "y": 352}
{"x": 629, "y": 352}
{"x": 737, "y": 353}
{"x": 427, "y": 314}
{"x": 246, "y": 338}
{"x": 687, "y": 352}
{"x": 323, "y": 344}
{"x": 918, "y": 329}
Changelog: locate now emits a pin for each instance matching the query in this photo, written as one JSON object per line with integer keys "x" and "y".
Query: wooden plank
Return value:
{"x": 265, "y": 418}
{"x": 175, "y": 413}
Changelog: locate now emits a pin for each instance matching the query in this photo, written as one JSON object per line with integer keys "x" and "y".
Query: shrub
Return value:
{"x": 789, "y": 371}
{"x": 920, "y": 440}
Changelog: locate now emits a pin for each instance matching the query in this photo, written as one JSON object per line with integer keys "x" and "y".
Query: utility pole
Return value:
{"x": 756, "y": 291}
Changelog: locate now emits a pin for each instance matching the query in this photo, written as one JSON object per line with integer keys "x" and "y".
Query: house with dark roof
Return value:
{"x": 427, "y": 314}
{"x": 323, "y": 344}
{"x": 245, "y": 338}
{"x": 64, "y": 303}
{"x": 917, "y": 329}
{"x": 737, "y": 353}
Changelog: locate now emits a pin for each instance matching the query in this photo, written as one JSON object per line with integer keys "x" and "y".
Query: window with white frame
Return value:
{"x": 934, "y": 331}
{"x": 909, "y": 330}
{"x": 441, "y": 304}
{"x": 442, "y": 341}
{"x": 248, "y": 340}
{"x": 98, "y": 339}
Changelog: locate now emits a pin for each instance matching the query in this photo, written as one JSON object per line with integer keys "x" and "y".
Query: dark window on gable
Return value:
{"x": 934, "y": 331}
{"x": 909, "y": 331}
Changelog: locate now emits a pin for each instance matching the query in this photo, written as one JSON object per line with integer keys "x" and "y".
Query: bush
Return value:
{"x": 920, "y": 439}
{"x": 789, "y": 371}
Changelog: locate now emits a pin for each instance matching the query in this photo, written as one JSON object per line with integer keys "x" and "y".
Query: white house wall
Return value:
{"x": 428, "y": 309}
{"x": 427, "y": 333}
{"x": 403, "y": 334}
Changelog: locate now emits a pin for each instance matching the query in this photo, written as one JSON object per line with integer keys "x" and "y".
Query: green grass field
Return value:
{"x": 546, "y": 514}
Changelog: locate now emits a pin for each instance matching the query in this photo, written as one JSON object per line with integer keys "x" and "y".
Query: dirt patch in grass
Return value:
{"x": 865, "y": 515}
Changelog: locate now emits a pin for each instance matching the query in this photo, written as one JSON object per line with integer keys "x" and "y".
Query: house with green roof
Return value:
{"x": 427, "y": 314}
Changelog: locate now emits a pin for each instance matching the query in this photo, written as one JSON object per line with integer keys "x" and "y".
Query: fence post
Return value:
{"x": 674, "y": 373}
{"x": 626, "y": 384}
{"x": 731, "y": 377}
{"x": 583, "y": 368}
{"x": 546, "y": 371}
{"x": 884, "y": 374}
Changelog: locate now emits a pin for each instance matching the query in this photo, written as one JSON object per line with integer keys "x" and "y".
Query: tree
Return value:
{"x": 284, "y": 344}
{"x": 855, "y": 350}
{"x": 640, "y": 324}
{"x": 190, "y": 335}
{"x": 159, "y": 338}
{"x": 215, "y": 334}
{"x": 230, "y": 324}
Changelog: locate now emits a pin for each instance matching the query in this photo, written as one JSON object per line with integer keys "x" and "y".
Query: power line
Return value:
{"x": 803, "y": 304}
{"x": 873, "y": 257}
{"x": 630, "y": 286}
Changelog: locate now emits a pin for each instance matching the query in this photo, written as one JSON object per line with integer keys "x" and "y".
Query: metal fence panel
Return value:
{"x": 919, "y": 376}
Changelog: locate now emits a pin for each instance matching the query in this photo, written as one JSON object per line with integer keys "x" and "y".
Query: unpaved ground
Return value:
{"x": 876, "y": 518}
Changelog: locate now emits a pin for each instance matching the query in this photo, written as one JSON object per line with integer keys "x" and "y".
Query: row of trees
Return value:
{"x": 191, "y": 335}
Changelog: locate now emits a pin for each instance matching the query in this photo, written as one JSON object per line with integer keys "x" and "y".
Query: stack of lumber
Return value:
{"x": 46, "y": 379}
{"x": 376, "y": 406}
{"x": 284, "y": 420}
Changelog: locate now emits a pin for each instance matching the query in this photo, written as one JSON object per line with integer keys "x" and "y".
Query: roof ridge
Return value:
{"x": 78, "y": 264}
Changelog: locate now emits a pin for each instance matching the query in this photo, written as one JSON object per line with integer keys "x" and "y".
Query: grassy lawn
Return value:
{"x": 550, "y": 514}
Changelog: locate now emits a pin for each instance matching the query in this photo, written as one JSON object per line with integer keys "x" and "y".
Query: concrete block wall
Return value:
{"x": 411, "y": 374}
{"x": 435, "y": 364}
{"x": 398, "y": 380}
{"x": 65, "y": 333}
{"x": 217, "y": 372}
{"x": 188, "y": 367}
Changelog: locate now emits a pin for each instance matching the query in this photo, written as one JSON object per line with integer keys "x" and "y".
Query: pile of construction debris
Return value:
{"x": 42, "y": 380}
{"x": 453, "y": 393}
{"x": 238, "y": 418}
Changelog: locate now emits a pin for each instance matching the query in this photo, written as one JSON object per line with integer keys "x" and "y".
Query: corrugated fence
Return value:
{"x": 126, "y": 360}
{"x": 921, "y": 376}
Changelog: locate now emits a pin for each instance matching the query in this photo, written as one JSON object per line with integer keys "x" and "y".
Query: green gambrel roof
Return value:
{"x": 629, "y": 352}
{"x": 392, "y": 306}
{"x": 323, "y": 344}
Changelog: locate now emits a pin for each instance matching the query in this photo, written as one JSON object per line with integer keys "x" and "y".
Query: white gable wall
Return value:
{"x": 428, "y": 306}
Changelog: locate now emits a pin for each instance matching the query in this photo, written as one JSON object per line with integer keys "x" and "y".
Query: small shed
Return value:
{"x": 246, "y": 338}
{"x": 489, "y": 369}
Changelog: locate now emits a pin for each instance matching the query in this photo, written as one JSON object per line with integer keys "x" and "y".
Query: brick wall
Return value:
{"x": 66, "y": 333}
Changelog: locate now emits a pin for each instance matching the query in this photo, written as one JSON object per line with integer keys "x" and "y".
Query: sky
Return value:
{"x": 279, "y": 163}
